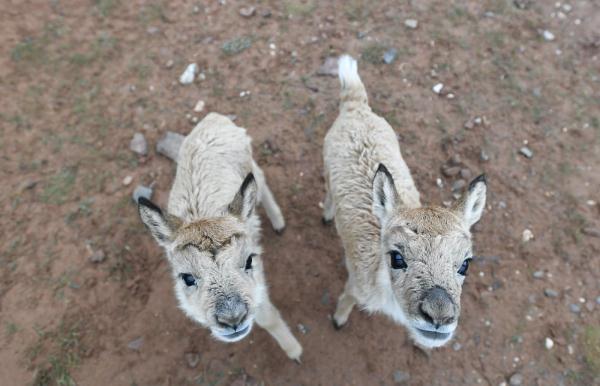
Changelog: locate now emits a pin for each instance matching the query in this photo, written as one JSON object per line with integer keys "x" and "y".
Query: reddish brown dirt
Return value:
{"x": 77, "y": 79}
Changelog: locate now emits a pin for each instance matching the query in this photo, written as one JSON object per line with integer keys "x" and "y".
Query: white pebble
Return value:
{"x": 189, "y": 74}
{"x": 527, "y": 235}
{"x": 411, "y": 23}
{"x": 438, "y": 88}
{"x": 127, "y": 180}
{"x": 549, "y": 343}
{"x": 199, "y": 106}
{"x": 549, "y": 36}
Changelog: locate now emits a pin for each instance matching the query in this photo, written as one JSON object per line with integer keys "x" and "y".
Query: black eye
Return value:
{"x": 188, "y": 279}
{"x": 249, "y": 262}
{"x": 398, "y": 260}
{"x": 464, "y": 267}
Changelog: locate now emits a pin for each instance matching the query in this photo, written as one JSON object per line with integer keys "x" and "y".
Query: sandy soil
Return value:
{"x": 79, "y": 78}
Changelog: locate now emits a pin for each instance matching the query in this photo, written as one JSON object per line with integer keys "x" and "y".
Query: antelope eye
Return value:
{"x": 249, "y": 262}
{"x": 188, "y": 279}
{"x": 464, "y": 267}
{"x": 397, "y": 260}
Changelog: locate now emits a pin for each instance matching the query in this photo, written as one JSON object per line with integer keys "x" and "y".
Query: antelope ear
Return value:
{"x": 245, "y": 199}
{"x": 470, "y": 208}
{"x": 160, "y": 226}
{"x": 385, "y": 195}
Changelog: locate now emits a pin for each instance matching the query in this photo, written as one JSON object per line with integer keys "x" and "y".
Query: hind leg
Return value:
{"x": 268, "y": 201}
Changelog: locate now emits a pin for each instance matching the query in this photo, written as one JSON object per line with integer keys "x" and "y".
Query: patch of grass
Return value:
{"x": 59, "y": 186}
{"x": 154, "y": 12}
{"x": 357, "y": 10}
{"x": 236, "y": 45}
{"x": 299, "y": 8}
{"x": 373, "y": 53}
{"x": 11, "y": 328}
{"x": 64, "y": 355}
{"x": 591, "y": 348}
{"x": 106, "y": 7}
{"x": 29, "y": 50}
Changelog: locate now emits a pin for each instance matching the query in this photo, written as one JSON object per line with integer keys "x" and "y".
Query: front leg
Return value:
{"x": 268, "y": 317}
{"x": 344, "y": 307}
{"x": 268, "y": 200}
{"x": 328, "y": 206}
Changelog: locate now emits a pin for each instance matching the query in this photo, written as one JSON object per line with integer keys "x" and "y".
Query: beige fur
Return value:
{"x": 211, "y": 234}
{"x": 378, "y": 214}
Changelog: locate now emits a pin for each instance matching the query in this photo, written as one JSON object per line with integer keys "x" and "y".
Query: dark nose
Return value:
{"x": 231, "y": 312}
{"x": 437, "y": 307}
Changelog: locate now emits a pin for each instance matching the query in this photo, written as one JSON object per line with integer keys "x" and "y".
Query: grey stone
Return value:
{"x": 574, "y": 308}
{"x": 594, "y": 232}
{"x": 516, "y": 379}
{"x": 450, "y": 171}
{"x": 538, "y": 274}
{"x": 527, "y": 152}
{"x": 247, "y": 11}
{"x": 138, "y": 144}
{"x": 456, "y": 346}
{"x": 326, "y": 298}
{"x": 484, "y": 156}
{"x": 390, "y": 56}
{"x": 142, "y": 191}
{"x": 329, "y": 67}
{"x": 136, "y": 344}
{"x": 98, "y": 256}
{"x": 188, "y": 76}
{"x": 598, "y": 300}
{"x": 169, "y": 145}
{"x": 465, "y": 173}
{"x": 549, "y": 292}
{"x": 192, "y": 359}
{"x": 458, "y": 185}
{"x": 303, "y": 329}
{"x": 589, "y": 306}
{"x": 401, "y": 376}
{"x": 411, "y": 23}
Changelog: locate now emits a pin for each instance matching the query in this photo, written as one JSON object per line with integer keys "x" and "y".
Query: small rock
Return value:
{"x": 27, "y": 185}
{"x": 456, "y": 346}
{"x": 329, "y": 67}
{"x": 537, "y": 92}
{"x": 516, "y": 380}
{"x": 549, "y": 292}
{"x": 136, "y": 344}
{"x": 138, "y": 144}
{"x": 469, "y": 125}
{"x": 589, "y": 306}
{"x": 567, "y": 8}
{"x": 484, "y": 156}
{"x": 439, "y": 183}
{"x": 390, "y": 56}
{"x": 548, "y": 36}
{"x": 127, "y": 180}
{"x": 142, "y": 191}
{"x": 438, "y": 88}
{"x": 527, "y": 152}
{"x": 465, "y": 173}
{"x": 169, "y": 63}
{"x": 199, "y": 106}
{"x": 302, "y": 328}
{"x": 574, "y": 308}
{"x": 450, "y": 171}
{"x": 411, "y": 23}
{"x": 538, "y": 274}
{"x": 527, "y": 235}
{"x": 594, "y": 232}
{"x": 187, "y": 77}
{"x": 169, "y": 145}
{"x": 192, "y": 359}
{"x": 152, "y": 30}
{"x": 266, "y": 13}
{"x": 247, "y": 11}
{"x": 401, "y": 376}
{"x": 458, "y": 185}
{"x": 548, "y": 343}
{"x": 98, "y": 256}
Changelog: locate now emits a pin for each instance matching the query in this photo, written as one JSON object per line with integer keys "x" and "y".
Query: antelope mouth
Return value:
{"x": 233, "y": 336}
{"x": 434, "y": 335}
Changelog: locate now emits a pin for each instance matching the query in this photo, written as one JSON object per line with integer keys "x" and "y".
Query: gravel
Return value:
{"x": 549, "y": 292}
{"x": 169, "y": 145}
{"x": 401, "y": 376}
{"x": 329, "y": 67}
{"x": 527, "y": 152}
{"x": 411, "y": 23}
{"x": 142, "y": 191}
{"x": 187, "y": 77}
{"x": 192, "y": 359}
{"x": 574, "y": 308}
{"x": 390, "y": 56}
{"x": 136, "y": 344}
{"x": 138, "y": 144}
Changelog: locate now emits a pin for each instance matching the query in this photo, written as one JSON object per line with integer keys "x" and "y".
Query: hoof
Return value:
{"x": 280, "y": 231}
{"x": 298, "y": 361}
{"x": 326, "y": 221}
{"x": 336, "y": 325}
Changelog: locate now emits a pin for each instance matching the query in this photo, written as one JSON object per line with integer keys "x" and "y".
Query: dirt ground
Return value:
{"x": 79, "y": 78}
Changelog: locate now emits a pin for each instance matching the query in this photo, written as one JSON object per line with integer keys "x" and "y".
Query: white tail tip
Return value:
{"x": 348, "y": 71}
